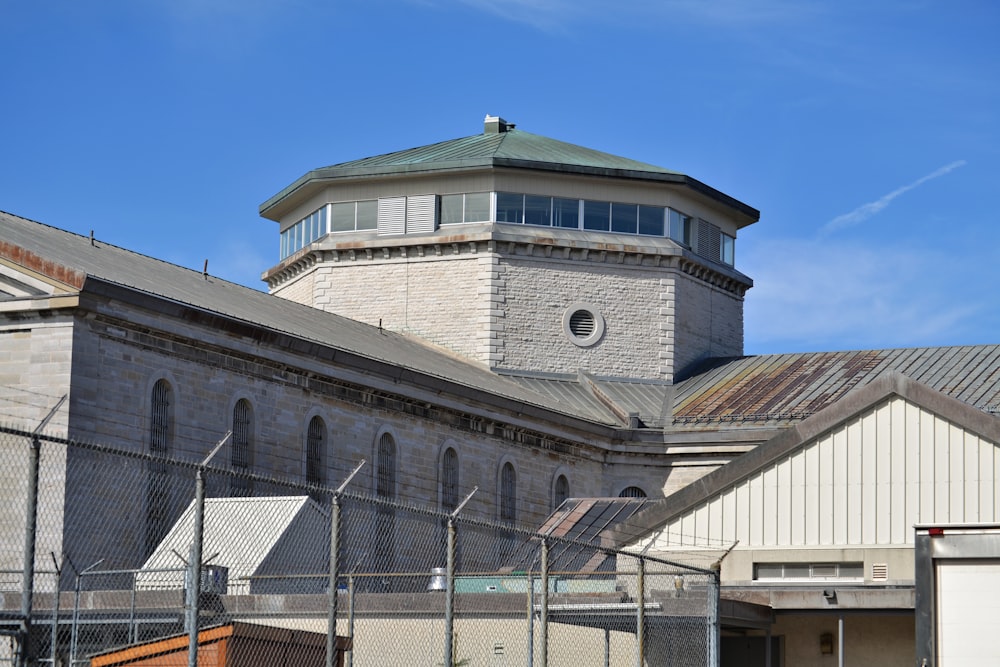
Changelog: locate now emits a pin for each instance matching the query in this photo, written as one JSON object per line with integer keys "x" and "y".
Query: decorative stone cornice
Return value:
{"x": 655, "y": 253}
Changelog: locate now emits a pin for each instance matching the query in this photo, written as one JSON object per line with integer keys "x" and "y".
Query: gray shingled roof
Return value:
{"x": 722, "y": 394}
{"x": 62, "y": 250}
{"x": 513, "y": 148}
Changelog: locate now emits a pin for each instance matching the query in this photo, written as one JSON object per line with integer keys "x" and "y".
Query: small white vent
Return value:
{"x": 581, "y": 323}
{"x": 880, "y": 571}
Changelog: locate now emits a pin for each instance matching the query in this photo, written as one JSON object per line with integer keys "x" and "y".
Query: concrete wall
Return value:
{"x": 883, "y": 640}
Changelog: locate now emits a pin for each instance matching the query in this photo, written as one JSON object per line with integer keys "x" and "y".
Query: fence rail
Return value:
{"x": 109, "y": 557}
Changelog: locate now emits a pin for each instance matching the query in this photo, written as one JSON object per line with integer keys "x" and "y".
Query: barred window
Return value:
{"x": 316, "y": 452}
{"x": 159, "y": 425}
{"x": 385, "y": 482}
{"x": 632, "y": 492}
{"x": 449, "y": 479}
{"x": 560, "y": 491}
{"x": 158, "y": 482}
{"x": 242, "y": 449}
{"x": 508, "y": 493}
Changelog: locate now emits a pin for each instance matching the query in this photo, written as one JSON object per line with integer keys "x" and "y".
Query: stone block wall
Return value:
{"x": 118, "y": 363}
{"x": 537, "y": 295}
{"x": 439, "y": 301}
{"x": 502, "y": 304}
{"x": 707, "y": 322}
{"x": 299, "y": 289}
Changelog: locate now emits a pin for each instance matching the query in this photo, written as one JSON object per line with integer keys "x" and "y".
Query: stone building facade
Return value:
{"x": 507, "y": 311}
{"x": 646, "y": 253}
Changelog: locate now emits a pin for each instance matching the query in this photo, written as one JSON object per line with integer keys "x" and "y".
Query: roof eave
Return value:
{"x": 336, "y": 173}
{"x": 749, "y": 214}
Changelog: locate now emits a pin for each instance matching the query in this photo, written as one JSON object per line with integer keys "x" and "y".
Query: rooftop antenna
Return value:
{"x": 204, "y": 271}
{"x": 91, "y": 237}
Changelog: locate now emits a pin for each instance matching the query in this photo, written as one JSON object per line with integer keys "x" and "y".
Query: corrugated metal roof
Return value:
{"x": 569, "y": 393}
{"x": 584, "y": 523}
{"x": 648, "y": 399}
{"x": 587, "y": 519}
{"x": 62, "y": 250}
{"x": 783, "y": 388}
{"x": 243, "y": 551}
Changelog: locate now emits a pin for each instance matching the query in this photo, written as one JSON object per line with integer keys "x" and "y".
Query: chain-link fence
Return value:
{"x": 117, "y": 558}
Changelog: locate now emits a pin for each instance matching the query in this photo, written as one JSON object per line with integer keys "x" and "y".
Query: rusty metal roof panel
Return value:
{"x": 783, "y": 388}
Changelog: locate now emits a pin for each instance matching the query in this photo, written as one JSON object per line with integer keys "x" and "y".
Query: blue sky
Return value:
{"x": 865, "y": 132}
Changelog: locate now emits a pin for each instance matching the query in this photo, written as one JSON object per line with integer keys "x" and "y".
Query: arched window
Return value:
{"x": 508, "y": 493}
{"x": 242, "y": 448}
{"x": 385, "y": 476}
{"x": 316, "y": 452}
{"x": 385, "y": 487}
{"x": 160, "y": 443}
{"x": 449, "y": 479}
{"x": 560, "y": 491}
{"x": 632, "y": 492}
{"x": 160, "y": 423}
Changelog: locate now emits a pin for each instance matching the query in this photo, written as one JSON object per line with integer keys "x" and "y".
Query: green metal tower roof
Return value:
{"x": 501, "y": 145}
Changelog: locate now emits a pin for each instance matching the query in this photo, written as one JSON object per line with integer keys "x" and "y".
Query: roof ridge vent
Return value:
{"x": 496, "y": 125}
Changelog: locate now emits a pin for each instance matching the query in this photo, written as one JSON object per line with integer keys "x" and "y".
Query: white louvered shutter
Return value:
{"x": 421, "y": 214}
{"x": 392, "y": 216}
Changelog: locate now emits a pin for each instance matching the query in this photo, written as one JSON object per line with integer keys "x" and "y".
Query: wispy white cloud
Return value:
{"x": 865, "y": 211}
{"x": 556, "y": 14}
{"x": 814, "y": 295}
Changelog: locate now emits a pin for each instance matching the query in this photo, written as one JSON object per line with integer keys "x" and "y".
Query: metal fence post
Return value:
{"x": 640, "y": 613}
{"x": 193, "y": 608}
{"x": 193, "y": 592}
{"x": 449, "y": 599}
{"x": 531, "y": 617}
{"x": 74, "y": 630}
{"x": 544, "y": 611}
{"x": 30, "y": 526}
{"x": 350, "y": 618}
{"x": 54, "y": 639}
{"x": 331, "y": 617}
{"x": 712, "y": 618}
{"x": 133, "y": 627}
{"x": 30, "y": 533}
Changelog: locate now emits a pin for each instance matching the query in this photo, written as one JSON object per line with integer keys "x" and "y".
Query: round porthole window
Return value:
{"x": 582, "y": 324}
